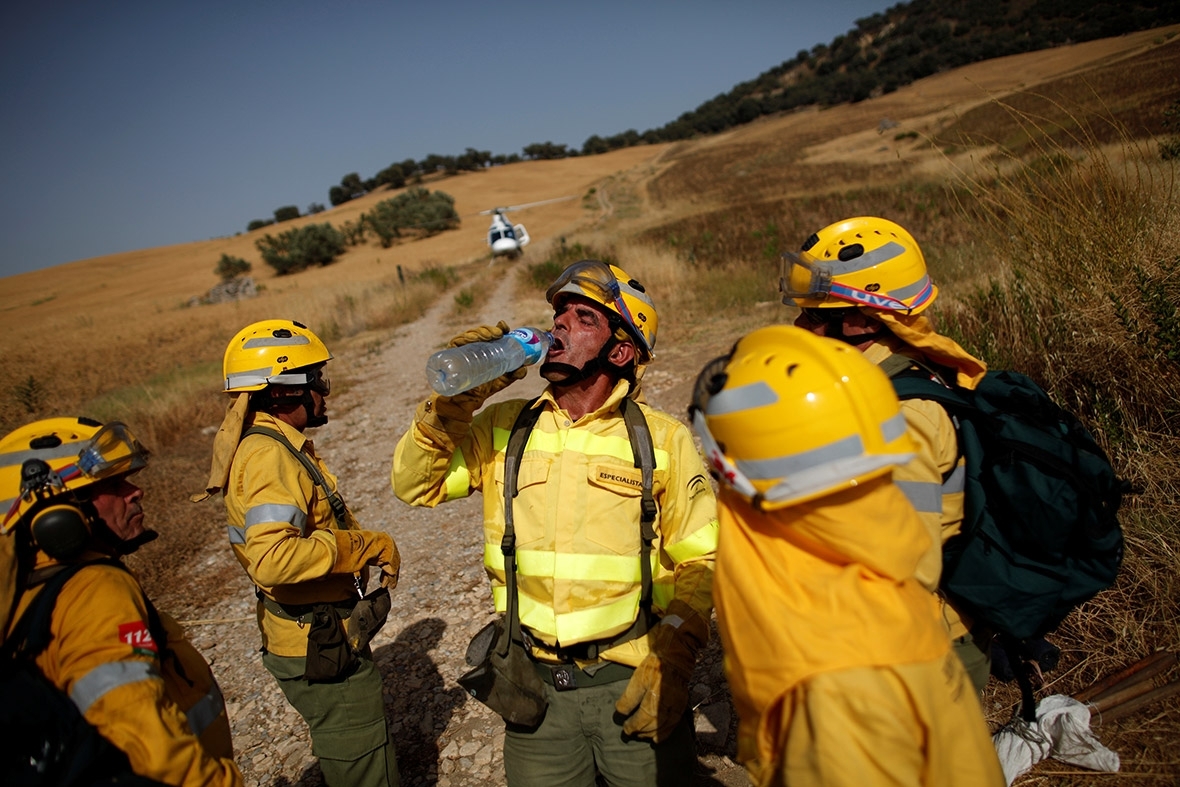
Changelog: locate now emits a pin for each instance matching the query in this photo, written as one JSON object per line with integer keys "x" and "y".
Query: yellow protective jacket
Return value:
{"x": 576, "y": 515}
{"x": 933, "y": 481}
{"x": 160, "y": 705}
{"x": 819, "y": 600}
{"x": 280, "y": 528}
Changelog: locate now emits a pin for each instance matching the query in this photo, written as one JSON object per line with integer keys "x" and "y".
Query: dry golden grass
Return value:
{"x": 702, "y": 224}
{"x": 121, "y": 332}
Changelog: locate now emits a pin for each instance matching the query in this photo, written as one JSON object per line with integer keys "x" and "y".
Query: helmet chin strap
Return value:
{"x": 313, "y": 420}
{"x": 834, "y": 329}
{"x": 304, "y": 399}
{"x": 120, "y": 546}
{"x": 574, "y": 375}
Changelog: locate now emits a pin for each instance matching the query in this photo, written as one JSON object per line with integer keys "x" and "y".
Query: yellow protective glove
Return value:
{"x": 657, "y": 695}
{"x": 446, "y": 418}
{"x": 356, "y": 549}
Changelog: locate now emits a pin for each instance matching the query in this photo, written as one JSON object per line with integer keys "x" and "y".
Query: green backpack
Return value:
{"x": 1040, "y": 529}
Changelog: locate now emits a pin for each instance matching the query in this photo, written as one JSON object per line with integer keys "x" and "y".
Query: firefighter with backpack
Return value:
{"x": 863, "y": 281}
{"x": 1020, "y": 498}
{"x": 839, "y": 665}
{"x": 304, "y": 550}
{"x": 98, "y": 685}
{"x": 599, "y": 534}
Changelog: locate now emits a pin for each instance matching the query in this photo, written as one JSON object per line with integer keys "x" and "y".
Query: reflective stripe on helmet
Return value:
{"x": 18, "y": 458}
{"x": 792, "y": 464}
{"x": 745, "y": 397}
{"x": 275, "y": 341}
{"x": 264, "y": 377}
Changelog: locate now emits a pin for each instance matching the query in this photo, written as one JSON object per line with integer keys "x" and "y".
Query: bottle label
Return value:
{"x": 534, "y": 348}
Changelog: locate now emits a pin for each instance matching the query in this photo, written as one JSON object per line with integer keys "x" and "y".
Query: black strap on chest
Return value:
{"x": 339, "y": 510}
{"x": 643, "y": 450}
{"x": 31, "y": 635}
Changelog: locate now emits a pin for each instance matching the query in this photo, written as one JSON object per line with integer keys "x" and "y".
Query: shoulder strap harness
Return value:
{"x": 644, "y": 452}
{"x": 334, "y": 499}
{"x": 31, "y": 634}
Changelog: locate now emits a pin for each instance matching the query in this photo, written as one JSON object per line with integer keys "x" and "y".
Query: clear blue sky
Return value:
{"x": 136, "y": 124}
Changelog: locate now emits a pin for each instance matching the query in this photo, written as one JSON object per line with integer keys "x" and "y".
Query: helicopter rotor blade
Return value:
{"x": 525, "y": 205}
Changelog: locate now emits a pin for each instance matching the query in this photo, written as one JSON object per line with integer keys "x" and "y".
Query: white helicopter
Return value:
{"x": 505, "y": 238}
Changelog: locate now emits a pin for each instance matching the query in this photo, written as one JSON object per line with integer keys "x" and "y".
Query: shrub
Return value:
{"x": 294, "y": 250}
{"x": 258, "y": 224}
{"x": 418, "y": 209}
{"x": 286, "y": 213}
{"x": 393, "y": 176}
{"x": 353, "y": 232}
{"x": 231, "y": 267}
{"x": 465, "y": 298}
{"x": 438, "y": 277}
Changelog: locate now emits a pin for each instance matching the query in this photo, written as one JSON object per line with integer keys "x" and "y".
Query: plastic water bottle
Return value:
{"x": 458, "y": 369}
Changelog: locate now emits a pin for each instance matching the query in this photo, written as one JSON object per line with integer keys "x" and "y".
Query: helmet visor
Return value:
{"x": 595, "y": 280}
{"x": 800, "y": 279}
{"x": 112, "y": 451}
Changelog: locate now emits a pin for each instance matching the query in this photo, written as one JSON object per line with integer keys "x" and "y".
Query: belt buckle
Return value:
{"x": 563, "y": 677}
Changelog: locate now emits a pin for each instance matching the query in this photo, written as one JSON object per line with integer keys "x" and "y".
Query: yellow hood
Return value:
{"x": 225, "y": 443}
{"x": 918, "y": 332}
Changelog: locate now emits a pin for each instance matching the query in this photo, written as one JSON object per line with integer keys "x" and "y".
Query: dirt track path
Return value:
{"x": 443, "y": 598}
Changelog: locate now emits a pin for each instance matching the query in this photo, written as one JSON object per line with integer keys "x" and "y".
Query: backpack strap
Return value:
{"x": 645, "y": 459}
{"x": 339, "y": 510}
{"x": 67, "y": 747}
{"x": 526, "y": 419}
{"x": 899, "y": 366}
{"x": 31, "y": 635}
{"x": 642, "y": 447}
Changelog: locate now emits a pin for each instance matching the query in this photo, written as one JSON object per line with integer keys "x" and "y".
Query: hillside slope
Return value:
{"x": 112, "y": 332}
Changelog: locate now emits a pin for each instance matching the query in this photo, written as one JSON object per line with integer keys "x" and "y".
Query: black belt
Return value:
{"x": 300, "y": 612}
{"x": 565, "y": 677}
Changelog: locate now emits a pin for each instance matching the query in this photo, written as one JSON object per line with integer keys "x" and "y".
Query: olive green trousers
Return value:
{"x": 346, "y": 718}
{"x": 582, "y": 735}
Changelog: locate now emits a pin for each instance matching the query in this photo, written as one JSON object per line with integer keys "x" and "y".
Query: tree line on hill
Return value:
{"x": 415, "y": 212}
{"x": 884, "y": 52}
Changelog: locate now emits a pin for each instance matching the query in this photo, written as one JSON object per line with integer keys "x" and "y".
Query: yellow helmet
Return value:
{"x": 863, "y": 261}
{"x": 790, "y": 416}
{"x": 272, "y": 352}
{"x": 622, "y": 295}
{"x": 43, "y": 465}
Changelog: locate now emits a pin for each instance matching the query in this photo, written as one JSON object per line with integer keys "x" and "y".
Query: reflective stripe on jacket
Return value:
{"x": 163, "y": 709}
{"x": 280, "y": 525}
{"x": 577, "y": 515}
{"x": 939, "y": 502}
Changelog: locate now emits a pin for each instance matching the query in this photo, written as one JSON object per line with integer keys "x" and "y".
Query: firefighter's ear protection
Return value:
{"x": 60, "y": 525}
{"x": 61, "y": 530}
